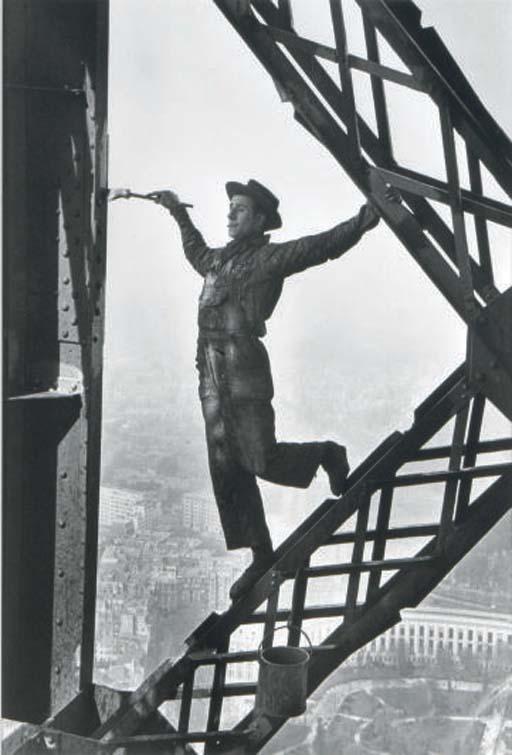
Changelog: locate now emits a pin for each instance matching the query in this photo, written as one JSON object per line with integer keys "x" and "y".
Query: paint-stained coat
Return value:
{"x": 242, "y": 285}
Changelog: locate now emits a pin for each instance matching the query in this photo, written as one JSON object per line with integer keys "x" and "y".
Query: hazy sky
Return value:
{"x": 190, "y": 108}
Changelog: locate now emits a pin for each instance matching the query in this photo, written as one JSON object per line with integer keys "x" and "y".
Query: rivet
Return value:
{"x": 65, "y": 253}
{"x": 57, "y": 669}
{"x": 63, "y": 475}
{"x": 62, "y": 523}
{"x": 74, "y": 387}
{"x": 95, "y": 339}
{"x": 61, "y": 572}
{"x": 65, "y": 307}
{"x": 59, "y": 622}
{"x": 66, "y": 281}
{"x": 65, "y": 333}
{"x": 74, "y": 321}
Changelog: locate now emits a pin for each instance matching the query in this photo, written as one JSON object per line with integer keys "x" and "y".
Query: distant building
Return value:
{"x": 426, "y": 633}
{"x": 118, "y": 506}
{"x": 199, "y": 514}
{"x": 128, "y": 624}
{"x": 222, "y": 572}
{"x": 165, "y": 595}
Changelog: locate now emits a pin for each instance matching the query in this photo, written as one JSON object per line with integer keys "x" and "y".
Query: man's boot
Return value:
{"x": 334, "y": 461}
{"x": 262, "y": 560}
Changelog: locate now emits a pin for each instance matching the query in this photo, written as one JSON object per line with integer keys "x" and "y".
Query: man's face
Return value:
{"x": 243, "y": 220}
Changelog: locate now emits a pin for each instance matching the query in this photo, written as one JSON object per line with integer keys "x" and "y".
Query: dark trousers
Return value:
{"x": 241, "y": 443}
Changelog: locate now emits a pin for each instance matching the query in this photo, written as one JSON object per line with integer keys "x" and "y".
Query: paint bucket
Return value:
{"x": 282, "y": 678}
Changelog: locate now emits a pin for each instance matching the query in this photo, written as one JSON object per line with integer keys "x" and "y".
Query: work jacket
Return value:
{"x": 242, "y": 285}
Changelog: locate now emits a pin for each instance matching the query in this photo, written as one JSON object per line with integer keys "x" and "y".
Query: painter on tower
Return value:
{"x": 243, "y": 281}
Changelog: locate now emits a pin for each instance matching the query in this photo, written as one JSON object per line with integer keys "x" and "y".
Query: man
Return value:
{"x": 242, "y": 284}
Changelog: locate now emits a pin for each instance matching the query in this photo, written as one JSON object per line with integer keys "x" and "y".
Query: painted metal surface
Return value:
{"x": 55, "y": 114}
{"x": 371, "y": 606}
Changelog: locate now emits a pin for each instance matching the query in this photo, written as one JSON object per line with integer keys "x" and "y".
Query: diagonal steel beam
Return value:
{"x": 376, "y": 149}
{"x": 403, "y": 590}
{"x": 431, "y": 64}
{"x": 323, "y": 125}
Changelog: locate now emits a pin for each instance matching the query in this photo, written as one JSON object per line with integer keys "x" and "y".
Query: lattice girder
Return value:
{"x": 466, "y": 283}
{"x": 377, "y": 586}
{"x": 367, "y": 609}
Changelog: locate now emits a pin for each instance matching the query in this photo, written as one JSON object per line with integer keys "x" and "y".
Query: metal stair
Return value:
{"x": 371, "y": 585}
{"x": 364, "y": 608}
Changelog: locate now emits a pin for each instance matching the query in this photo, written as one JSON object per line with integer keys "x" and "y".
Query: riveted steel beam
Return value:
{"x": 54, "y": 240}
{"x": 431, "y": 64}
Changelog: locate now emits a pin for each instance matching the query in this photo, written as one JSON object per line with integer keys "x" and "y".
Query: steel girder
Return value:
{"x": 55, "y": 107}
{"x": 442, "y": 252}
{"x": 376, "y": 585}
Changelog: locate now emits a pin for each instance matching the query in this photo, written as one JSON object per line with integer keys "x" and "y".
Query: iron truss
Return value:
{"x": 371, "y": 584}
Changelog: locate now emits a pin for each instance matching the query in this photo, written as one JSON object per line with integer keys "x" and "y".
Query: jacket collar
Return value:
{"x": 246, "y": 244}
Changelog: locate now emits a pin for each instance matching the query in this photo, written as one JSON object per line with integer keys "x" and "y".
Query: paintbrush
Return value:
{"x": 128, "y": 194}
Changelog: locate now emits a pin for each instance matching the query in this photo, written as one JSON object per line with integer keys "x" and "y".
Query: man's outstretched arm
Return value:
{"x": 197, "y": 251}
{"x": 283, "y": 259}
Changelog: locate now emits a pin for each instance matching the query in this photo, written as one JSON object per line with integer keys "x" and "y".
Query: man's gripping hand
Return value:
{"x": 168, "y": 199}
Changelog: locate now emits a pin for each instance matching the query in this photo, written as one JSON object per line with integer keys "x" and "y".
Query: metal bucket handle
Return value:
{"x": 285, "y": 626}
